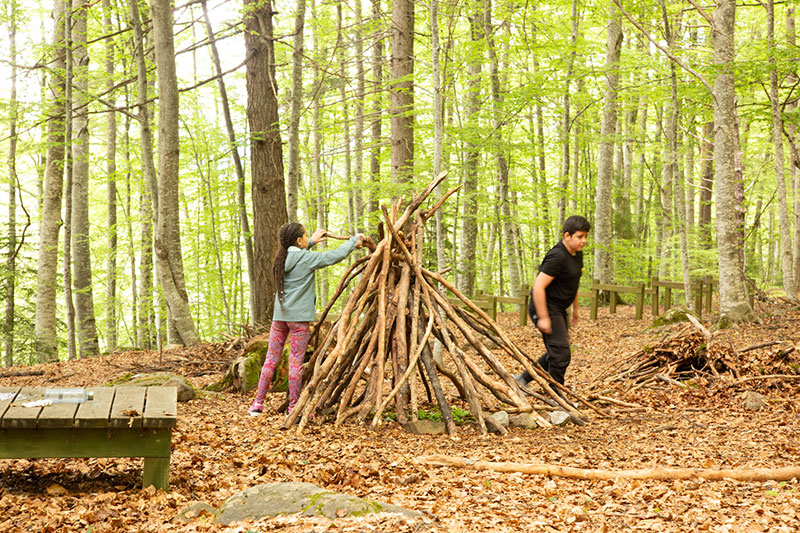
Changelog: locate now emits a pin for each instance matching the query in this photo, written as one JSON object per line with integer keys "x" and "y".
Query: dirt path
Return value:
{"x": 218, "y": 450}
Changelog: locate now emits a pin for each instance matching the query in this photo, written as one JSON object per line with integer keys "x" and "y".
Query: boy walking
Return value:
{"x": 554, "y": 290}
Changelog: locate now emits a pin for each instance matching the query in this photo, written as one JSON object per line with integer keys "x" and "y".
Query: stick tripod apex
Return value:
{"x": 381, "y": 347}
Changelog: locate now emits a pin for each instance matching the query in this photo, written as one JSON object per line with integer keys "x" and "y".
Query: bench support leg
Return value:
{"x": 156, "y": 472}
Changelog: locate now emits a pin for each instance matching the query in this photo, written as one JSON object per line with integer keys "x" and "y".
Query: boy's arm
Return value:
{"x": 575, "y": 310}
{"x": 540, "y": 301}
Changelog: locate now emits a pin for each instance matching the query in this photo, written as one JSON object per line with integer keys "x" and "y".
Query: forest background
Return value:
{"x": 153, "y": 150}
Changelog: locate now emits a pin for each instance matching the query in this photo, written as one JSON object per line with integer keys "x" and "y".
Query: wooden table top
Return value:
{"x": 111, "y": 407}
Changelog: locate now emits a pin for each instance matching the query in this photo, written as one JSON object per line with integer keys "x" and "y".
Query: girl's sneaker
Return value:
{"x": 255, "y": 409}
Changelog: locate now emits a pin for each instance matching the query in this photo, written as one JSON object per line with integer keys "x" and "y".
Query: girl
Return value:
{"x": 295, "y": 303}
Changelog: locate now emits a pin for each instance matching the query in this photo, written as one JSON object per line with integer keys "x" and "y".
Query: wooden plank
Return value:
{"x": 128, "y": 407}
{"x": 58, "y": 415}
{"x": 96, "y": 412}
{"x": 5, "y": 403}
{"x": 17, "y": 416}
{"x": 160, "y": 407}
{"x": 84, "y": 442}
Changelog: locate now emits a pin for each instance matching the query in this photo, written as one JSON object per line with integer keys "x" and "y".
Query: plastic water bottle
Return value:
{"x": 68, "y": 395}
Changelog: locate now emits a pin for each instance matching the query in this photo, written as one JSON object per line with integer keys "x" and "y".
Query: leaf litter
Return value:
{"x": 219, "y": 450}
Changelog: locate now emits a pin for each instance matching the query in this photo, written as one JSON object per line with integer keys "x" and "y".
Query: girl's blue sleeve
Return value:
{"x": 317, "y": 260}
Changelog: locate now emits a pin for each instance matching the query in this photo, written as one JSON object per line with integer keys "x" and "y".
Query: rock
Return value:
{"x": 560, "y": 418}
{"x": 243, "y": 374}
{"x": 753, "y": 401}
{"x": 172, "y": 347}
{"x": 674, "y": 315}
{"x": 501, "y": 417}
{"x": 185, "y": 390}
{"x": 523, "y": 420}
{"x": 424, "y": 427}
{"x": 194, "y": 511}
{"x": 307, "y": 499}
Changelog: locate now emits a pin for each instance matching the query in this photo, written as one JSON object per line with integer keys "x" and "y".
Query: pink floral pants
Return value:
{"x": 298, "y": 333}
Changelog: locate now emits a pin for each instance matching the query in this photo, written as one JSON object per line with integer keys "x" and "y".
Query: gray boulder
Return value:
{"x": 560, "y": 418}
{"x": 185, "y": 390}
{"x": 523, "y": 420}
{"x": 501, "y": 417}
{"x": 753, "y": 401}
{"x": 306, "y": 499}
{"x": 424, "y": 427}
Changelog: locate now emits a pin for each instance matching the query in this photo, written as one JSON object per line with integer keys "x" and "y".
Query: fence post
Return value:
{"x": 524, "y": 294}
{"x": 639, "y": 301}
{"x": 593, "y": 313}
{"x": 655, "y": 297}
{"x": 612, "y": 302}
{"x": 492, "y": 307}
{"x": 667, "y": 298}
{"x": 698, "y": 298}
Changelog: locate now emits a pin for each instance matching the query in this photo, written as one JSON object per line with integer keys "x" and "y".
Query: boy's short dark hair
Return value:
{"x": 576, "y": 223}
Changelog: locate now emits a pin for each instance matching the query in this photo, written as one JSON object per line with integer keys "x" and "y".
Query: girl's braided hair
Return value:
{"x": 287, "y": 236}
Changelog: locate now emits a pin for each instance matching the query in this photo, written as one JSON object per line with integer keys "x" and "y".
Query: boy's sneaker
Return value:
{"x": 254, "y": 410}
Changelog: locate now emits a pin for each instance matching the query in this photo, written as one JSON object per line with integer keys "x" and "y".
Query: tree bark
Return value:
{"x": 358, "y": 127}
{"x": 11, "y": 254}
{"x": 167, "y": 244}
{"x": 785, "y": 232}
{"x": 45, "y": 326}
{"x": 86, "y": 326}
{"x": 401, "y": 91}
{"x": 706, "y": 184}
{"x": 733, "y": 299}
{"x": 269, "y": 200}
{"x": 794, "y": 157}
{"x": 111, "y": 188}
{"x": 602, "y": 218}
{"x": 148, "y": 200}
{"x": 295, "y": 111}
{"x": 377, "y": 111}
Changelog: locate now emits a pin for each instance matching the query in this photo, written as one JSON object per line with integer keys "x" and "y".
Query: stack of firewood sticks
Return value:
{"x": 386, "y": 330}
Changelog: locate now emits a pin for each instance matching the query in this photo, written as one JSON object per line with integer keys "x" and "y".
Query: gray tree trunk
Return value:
{"x": 148, "y": 200}
{"x": 293, "y": 174}
{"x": 111, "y": 190}
{"x": 469, "y": 223}
{"x": 316, "y": 157}
{"x": 733, "y": 298}
{"x": 565, "y": 117}
{"x": 269, "y": 196}
{"x": 377, "y": 110}
{"x": 237, "y": 160}
{"x": 69, "y": 302}
{"x": 86, "y": 326}
{"x": 438, "y": 138}
{"x": 401, "y": 92}
{"x": 45, "y": 325}
{"x": 794, "y": 156}
{"x": 345, "y": 125}
{"x": 11, "y": 262}
{"x": 605, "y": 162}
{"x": 786, "y": 239}
{"x": 167, "y": 245}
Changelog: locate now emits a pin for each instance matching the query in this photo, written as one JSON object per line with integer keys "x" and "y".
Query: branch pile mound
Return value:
{"x": 380, "y": 347}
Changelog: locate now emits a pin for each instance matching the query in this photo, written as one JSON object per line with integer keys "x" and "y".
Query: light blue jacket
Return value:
{"x": 299, "y": 298}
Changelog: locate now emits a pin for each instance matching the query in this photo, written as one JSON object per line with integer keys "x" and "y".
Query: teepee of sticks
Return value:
{"x": 384, "y": 335}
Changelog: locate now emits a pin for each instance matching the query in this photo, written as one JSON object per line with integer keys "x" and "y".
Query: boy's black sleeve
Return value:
{"x": 552, "y": 265}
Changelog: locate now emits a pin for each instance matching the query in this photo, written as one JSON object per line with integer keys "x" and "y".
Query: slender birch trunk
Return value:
{"x": 293, "y": 173}
{"x": 111, "y": 188}
{"x": 377, "y": 110}
{"x": 11, "y": 254}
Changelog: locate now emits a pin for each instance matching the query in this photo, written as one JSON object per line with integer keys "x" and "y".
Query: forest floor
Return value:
{"x": 219, "y": 450}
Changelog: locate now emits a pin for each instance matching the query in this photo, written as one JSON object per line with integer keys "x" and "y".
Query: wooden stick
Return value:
{"x": 770, "y": 376}
{"x": 658, "y": 473}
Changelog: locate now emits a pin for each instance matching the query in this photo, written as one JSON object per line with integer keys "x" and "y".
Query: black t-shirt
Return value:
{"x": 566, "y": 270}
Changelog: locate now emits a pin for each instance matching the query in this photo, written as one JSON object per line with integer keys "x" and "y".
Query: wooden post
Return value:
{"x": 655, "y": 297}
{"x": 667, "y": 298}
{"x": 492, "y": 306}
{"x": 612, "y": 301}
{"x": 595, "y": 298}
{"x": 639, "y": 301}
{"x": 698, "y": 298}
{"x": 524, "y": 294}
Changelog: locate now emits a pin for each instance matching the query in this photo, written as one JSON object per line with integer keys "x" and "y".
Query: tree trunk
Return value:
{"x": 345, "y": 125}
{"x": 733, "y": 299}
{"x": 438, "y": 137}
{"x": 111, "y": 190}
{"x": 565, "y": 117}
{"x": 86, "y": 326}
{"x": 469, "y": 223}
{"x": 316, "y": 156}
{"x": 237, "y": 160}
{"x": 706, "y": 184}
{"x": 295, "y": 111}
{"x": 69, "y": 307}
{"x": 794, "y": 156}
{"x": 11, "y": 263}
{"x": 169, "y": 259}
{"x": 602, "y": 217}
{"x": 148, "y": 200}
{"x": 785, "y": 232}
{"x": 401, "y": 92}
{"x": 358, "y": 132}
{"x": 269, "y": 200}
{"x": 377, "y": 111}
{"x": 46, "y": 326}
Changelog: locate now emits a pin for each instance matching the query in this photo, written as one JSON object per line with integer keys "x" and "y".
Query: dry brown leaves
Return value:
{"x": 218, "y": 450}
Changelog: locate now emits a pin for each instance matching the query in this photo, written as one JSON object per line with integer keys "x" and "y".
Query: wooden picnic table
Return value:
{"x": 117, "y": 422}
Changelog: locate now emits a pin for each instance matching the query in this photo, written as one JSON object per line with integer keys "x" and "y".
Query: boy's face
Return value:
{"x": 576, "y": 241}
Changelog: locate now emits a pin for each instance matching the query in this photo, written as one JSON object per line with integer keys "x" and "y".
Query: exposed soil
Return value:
{"x": 218, "y": 450}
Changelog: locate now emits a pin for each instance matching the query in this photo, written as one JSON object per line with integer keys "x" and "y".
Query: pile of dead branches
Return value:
{"x": 379, "y": 350}
{"x": 689, "y": 353}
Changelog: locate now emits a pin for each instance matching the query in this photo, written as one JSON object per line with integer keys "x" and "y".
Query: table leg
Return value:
{"x": 156, "y": 472}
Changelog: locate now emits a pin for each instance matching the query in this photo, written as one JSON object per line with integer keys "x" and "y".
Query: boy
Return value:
{"x": 554, "y": 290}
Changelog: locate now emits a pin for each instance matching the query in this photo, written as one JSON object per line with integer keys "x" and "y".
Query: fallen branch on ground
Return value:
{"x": 747, "y": 474}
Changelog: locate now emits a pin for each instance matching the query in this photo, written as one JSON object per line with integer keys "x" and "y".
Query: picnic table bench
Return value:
{"x": 116, "y": 422}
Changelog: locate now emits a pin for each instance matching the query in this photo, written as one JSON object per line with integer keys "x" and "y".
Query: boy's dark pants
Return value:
{"x": 557, "y": 357}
